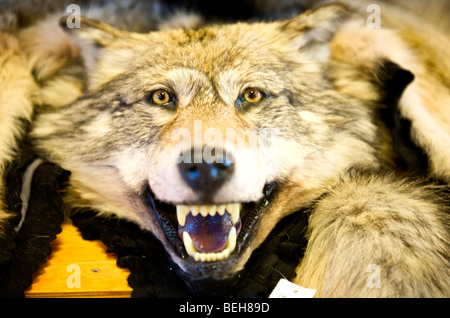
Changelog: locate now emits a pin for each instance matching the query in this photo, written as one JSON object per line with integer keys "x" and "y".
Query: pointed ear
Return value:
{"x": 91, "y": 30}
{"x": 316, "y": 27}
{"x": 103, "y": 49}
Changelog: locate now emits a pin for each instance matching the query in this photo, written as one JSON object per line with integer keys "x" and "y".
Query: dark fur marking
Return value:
{"x": 394, "y": 80}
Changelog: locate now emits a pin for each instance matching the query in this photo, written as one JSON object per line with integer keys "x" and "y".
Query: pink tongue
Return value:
{"x": 209, "y": 234}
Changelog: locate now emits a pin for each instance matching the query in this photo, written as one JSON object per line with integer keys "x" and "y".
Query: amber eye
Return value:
{"x": 252, "y": 95}
{"x": 160, "y": 97}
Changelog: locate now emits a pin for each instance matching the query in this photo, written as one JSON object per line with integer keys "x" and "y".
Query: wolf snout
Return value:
{"x": 206, "y": 177}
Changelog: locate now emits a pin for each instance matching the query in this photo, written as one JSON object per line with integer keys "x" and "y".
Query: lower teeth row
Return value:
{"x": 210, "y": 257}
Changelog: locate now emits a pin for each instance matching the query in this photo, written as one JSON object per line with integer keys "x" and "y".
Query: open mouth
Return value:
{"x": 209, "y": 233}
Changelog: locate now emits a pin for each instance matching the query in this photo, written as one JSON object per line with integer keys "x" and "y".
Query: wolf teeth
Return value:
{"x": 210, "y": 257}
{"x": 205, "y": 210}
{"x": 182, "y": 211}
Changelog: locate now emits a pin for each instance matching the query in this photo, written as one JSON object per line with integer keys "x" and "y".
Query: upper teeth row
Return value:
{"x": 205, "y": 210}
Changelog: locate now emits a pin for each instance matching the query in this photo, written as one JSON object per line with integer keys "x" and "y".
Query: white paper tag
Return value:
{"x": 286, "y": 289}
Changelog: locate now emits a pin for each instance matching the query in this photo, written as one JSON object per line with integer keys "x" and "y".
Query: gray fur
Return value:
{"x": 332, "y": 148}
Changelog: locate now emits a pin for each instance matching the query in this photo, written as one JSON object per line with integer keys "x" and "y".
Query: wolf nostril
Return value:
{"x": 190, "y": 171}
{"x": 206, "y": 178}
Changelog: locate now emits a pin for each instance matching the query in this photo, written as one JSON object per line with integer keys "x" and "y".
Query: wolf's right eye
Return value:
{"x": 162, "y": 98}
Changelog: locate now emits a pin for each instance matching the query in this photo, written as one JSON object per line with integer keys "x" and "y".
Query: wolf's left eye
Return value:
{"x": 252, "y": 95}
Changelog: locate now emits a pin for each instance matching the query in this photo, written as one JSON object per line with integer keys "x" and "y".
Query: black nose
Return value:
{"x": 206, "y": 178}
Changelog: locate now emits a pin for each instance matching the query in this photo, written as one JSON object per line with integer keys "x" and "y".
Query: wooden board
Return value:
{"x": 79, "y": 268}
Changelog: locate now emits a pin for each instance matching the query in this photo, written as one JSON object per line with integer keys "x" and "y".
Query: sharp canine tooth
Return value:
{"x": 181, "y": 214}
{"x": 231, "y": 245}
{"x": 189, "y": 245}
{"x": 235, "y": 212}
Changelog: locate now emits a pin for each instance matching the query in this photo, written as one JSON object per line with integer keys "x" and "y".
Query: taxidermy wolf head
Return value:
{"x": 207, "y": 137}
